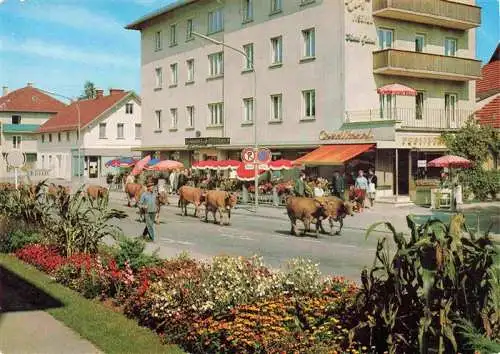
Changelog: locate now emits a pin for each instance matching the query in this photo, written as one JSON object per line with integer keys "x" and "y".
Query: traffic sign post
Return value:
{"x": 256, "y": 159}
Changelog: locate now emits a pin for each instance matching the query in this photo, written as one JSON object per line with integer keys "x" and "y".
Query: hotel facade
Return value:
{"x": 293, "y": 75}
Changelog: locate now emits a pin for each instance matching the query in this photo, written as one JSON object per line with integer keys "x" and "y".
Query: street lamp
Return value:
{"x": 79, "y": 126}
{"x": 256, "y": 145}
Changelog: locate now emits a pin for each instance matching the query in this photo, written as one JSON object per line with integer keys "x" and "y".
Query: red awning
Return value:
{"x": 396, "y": 89}
{"x": 333, "y": 154}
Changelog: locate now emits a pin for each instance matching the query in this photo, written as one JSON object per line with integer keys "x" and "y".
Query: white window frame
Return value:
{"x": 129, "y": 108}
{"x": 190, "y": 112}
{"x": 118, "y": 126}
{"x": 173, "y": 35}
{"x": 174, "y": 74}
{"x": 309, "y": 38}
{"x": 189, "y": 29}
{"x": 158, "y": 120}
{"x": 138, "y": 130}
{"x": 420, "y": 36}
{"x": 17, "y": 142}
{"x": 387, "y": 107}
{"x": 447, "y": 48}
{"x": 158, "y": 41}
{"x": 216, "y": 114}
{"x": 174, "y": 118}
{"x": 451, "y": 107}
{"x": 276, "y": 108}
{"x": 102, "y": 130}
{"x": 419, "y": 111}
{"x": 276, "y": 6}
{"x": 43, "y": 138}
{"x": 158, "y": 78}
{"x": 247, "y": 10}
{"x": 17, "y": 117}
{"x": 248, "y": 110}
{"x": 216, "y": 64}
{"x": 249, "y": 60}
{"x": 385, "y": 38}
{"x": 309, "y": 104}
{"x": 190, "y": 70}
{"x": 215, "y": 21}
{"x": 277, "y": 50}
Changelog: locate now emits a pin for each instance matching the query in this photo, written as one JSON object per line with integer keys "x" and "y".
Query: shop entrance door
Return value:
{"x": 93, "y": 170}
{"x": 403, "y": 172}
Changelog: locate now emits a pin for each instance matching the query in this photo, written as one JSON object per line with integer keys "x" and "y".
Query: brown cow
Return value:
{"x": 306, "y": 210}
{"x": 219, "y": 201}
{"x": 96, "y": 191}
{"x": 161, "y": 199}
{"x": 134, "y": 191}
{"x": 187, "y": 195}
{"x": 336, "y": 210}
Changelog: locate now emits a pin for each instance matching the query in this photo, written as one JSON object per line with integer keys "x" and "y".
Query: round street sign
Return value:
{"x": 248, "y": 155}
{"x": 264, "y": 156}
{"x": 15, "y": 158}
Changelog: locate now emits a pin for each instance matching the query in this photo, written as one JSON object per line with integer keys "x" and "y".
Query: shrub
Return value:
{"x": 302, "y": 277}
{"x": 482, "y": 183}
{"x": 131, "y": 250}
{"x": 18, "y": 239}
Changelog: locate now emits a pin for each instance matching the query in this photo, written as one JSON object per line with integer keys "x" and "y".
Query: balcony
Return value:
{"x": 425, "y": 65}
{"x": 411, "y": 118}
{"x": 449, "y": 14}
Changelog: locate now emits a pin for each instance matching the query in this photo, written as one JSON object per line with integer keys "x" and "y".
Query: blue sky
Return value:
{"x": 58, "y": 44}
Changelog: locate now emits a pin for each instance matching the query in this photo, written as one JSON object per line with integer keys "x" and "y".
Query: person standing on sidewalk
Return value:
{"x": 372, "y": 186}
{"x": 362, "y": 183}
{"x": 338, "y": 185}
{"x": 148, "y": 203}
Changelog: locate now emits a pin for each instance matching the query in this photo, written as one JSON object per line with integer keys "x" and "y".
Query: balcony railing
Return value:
{"x": 449, "y": 14}
{"x": 427, "y": 118}
{"x": 425, "y": 65}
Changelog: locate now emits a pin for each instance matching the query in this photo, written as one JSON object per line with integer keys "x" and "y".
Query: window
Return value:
{"x": 190, "y": 116}
{"x": 189, "y": 30}
{"x": 215, "y": 21}
{"x": 158, "y": 44}
{"x": 386, "y": 107}
{"x": 419, "y": 43}
{"x": 276, "y": 6}
{"x": 129, "y": 108}
{"x": 173, "y": 118}
{"x": 419, "y": 105}
{"x": 450, "y": 107}
{"x": 385, "y": 38}
{"x": 247, "y": 10}
{"x": 16, "y": 142}
{"x": 190, "y": 70}
{"x": 102, "y": 130}
{"x": 138, "y": 130}
{"x": 59, "y": 137}
{"x": 43, "y": 138}
{"x": 50, "y": 138}
{"x": 78, "y": 136}
{"x": 309, "y": 43}
{"x": 277, "y": 50}
{"x": 248, "y": 49}
{"x": 248, "y": 110}
{"x": 173, "y": 74}
{"x": 450, "y": 47}
{"x": 16, "y": 119}
{"x": 173, "y": 35}
{"x": 216, "y": 113}
{"x": 120, "y": 131}
{"x": 43, "y": 161}
{"x": 158, "y": 120}
{"x": 276, "y": 107}
{"x": 216, "y": 62}
{"x": 159, "y": 77}
{"x": 309, "y": 97}
{"x": 68, "y": 136}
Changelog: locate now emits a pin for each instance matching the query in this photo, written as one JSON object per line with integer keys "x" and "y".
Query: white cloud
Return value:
{"x": 66, "y": 53}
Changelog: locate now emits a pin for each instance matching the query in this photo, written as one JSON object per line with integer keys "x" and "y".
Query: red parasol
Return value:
{"x": 166, "y": 165}
{"x": 139, "y": 166}
{"x": 243, "y": 174}
{"x": 450, "y": 161}
{"x": 281, "y": 164}
{"x": 228, "y": 164}
{"x": 396, "y": 89}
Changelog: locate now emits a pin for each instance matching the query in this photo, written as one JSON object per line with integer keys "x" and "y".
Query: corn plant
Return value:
{"x": 411, "y": 300}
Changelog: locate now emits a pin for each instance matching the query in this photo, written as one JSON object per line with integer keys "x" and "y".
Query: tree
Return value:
{"x": 89, "y": 91}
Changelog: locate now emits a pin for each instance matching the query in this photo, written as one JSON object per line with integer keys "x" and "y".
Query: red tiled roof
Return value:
{"x": 90, "y": 110}
{"x": 30, "y": 99}
{"x": 490, "y": 114}
{"x": 490, "y": 83}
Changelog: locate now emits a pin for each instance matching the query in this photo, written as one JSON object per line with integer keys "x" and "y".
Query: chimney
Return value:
{"x": 5, "y": 90}
{"x": 113, "y": 91}
{"x": 99, "y": 93}
{"x": 29, "y": 84}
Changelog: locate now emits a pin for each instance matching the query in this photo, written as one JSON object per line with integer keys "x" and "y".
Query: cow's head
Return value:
{"x": 348, "y": 208}
{"x": 230, "y": 200}
{"x": 163, "y": 198}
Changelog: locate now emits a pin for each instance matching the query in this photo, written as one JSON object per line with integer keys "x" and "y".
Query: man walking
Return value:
{"x": 148, "y": 203}
{"x": 338, "y": 185}
{"x": 362, "y": 183}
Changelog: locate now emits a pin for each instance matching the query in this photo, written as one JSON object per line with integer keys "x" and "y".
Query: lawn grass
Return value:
{"x": 108, "y": 330}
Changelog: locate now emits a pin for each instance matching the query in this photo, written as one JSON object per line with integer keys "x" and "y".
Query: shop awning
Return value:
{"x": 333, "y": 154}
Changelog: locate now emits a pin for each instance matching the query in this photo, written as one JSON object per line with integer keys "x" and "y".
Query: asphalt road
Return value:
{"x": 248, "y": 235}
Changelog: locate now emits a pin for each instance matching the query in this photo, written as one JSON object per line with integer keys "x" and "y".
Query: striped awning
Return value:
{"x": 333, "y": 154}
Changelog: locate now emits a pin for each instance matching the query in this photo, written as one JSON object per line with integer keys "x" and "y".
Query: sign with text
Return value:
{"x": 345, "y": 135}
{"x": 421, "y": 163}
{"x": 207, "y": 141}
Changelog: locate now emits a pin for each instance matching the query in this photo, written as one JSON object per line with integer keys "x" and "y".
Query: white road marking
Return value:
{"x": 169, "y": 240}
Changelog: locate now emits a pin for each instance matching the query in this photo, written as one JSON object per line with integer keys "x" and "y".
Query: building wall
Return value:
{"x": 28, "y": 141}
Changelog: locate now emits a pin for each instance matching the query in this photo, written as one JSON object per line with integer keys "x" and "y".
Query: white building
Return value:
{"x": 109, "y": 126}
{"x": 315, "y": 76}
{"x": 22, "y": 112}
